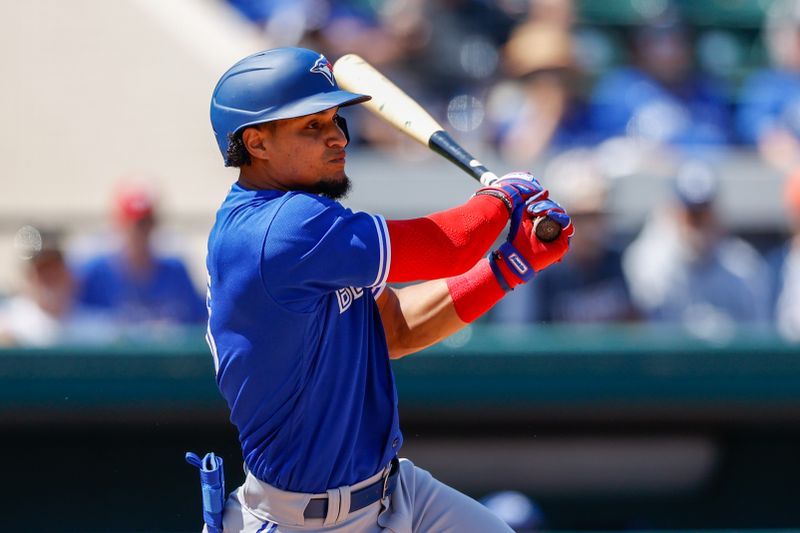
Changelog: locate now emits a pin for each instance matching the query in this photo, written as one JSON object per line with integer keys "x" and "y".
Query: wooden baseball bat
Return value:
{"x": 397, "y": 108}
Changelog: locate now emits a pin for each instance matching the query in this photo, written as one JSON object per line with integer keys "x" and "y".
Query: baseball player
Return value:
{"x": 302, "y": 323}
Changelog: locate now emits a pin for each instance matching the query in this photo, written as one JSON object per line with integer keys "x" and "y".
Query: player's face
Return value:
{"x": 308, "y": 153}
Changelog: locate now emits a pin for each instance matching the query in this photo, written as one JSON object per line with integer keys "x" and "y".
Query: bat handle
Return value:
{"x": 443, "y": 144}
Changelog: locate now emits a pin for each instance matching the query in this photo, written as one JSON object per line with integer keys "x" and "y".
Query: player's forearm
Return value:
{"x": 447, "y": 243}
{"x": 418, "y": 316}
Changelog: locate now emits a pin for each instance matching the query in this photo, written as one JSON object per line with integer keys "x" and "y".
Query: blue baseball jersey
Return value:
{"x": 297, "y": 339}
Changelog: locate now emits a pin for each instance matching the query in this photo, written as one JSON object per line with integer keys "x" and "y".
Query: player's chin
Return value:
{"x": 334, "y": 187}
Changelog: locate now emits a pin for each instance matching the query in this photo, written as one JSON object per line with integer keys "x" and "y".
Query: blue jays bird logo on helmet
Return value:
{"x": 324, "y": 67}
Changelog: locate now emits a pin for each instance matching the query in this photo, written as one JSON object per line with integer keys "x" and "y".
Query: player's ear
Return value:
{"x": 254, "y": 141}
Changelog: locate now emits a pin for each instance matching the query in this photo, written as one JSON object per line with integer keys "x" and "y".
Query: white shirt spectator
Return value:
{"x": 787, "y": 307}
{"x": 24, "y": 323}
{"x": 708, "y": 292}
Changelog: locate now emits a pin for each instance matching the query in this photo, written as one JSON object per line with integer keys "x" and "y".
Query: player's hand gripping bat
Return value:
{"x": 394, "y": 106}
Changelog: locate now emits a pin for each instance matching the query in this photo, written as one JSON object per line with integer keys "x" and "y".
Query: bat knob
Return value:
{"x": 546, "y": 229}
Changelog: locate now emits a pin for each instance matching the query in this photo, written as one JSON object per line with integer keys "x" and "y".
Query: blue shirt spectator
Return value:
{"x": 545, "y": 110}
{"x": 661, "y": 98}
{"x": 630, "y": 102}
{"x": 135, "y": 284}
{"x": 166, "y": 294}
{"x": 769, "y": 110}
{"x": 770, "y": 100}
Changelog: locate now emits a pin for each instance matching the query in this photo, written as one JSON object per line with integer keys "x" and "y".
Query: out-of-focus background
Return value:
{"x": 650, "y": 381}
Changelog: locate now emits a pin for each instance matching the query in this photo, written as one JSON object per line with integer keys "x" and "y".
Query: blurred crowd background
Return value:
{"x": 669, "y": 129}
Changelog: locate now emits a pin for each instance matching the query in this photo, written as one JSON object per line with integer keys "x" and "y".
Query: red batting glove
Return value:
{"x": 523, "y": 254}
{"x": 515, "y": 189}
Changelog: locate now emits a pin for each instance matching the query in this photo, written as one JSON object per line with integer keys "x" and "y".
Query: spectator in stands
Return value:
{"x": 384, "y": 34}
{"x": 588, "y": 286}
{"x": 135, "y": 284}
{"x": 453, "y": 58}
{"x": 661, "y": 98}
{"x": 539, "y": 107}
{"x": 442, "y": 52}
{"x": 785, "y": 267}
{"x": 45, "y": 312}
{"x": 459, "y": 53}
{"x": 769, "y": 109}
{"x": 380, "y": 33}
{"x": 683, "y": 268}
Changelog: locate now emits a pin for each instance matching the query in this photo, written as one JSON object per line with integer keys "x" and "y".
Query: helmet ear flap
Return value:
{"x": 342, "y": 123}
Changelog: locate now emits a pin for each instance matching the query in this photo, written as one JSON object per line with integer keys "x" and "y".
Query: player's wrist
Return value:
{"x": 506, "y": 264}
{"x": 497, "y": 270}
{"x": 475, "y": 292}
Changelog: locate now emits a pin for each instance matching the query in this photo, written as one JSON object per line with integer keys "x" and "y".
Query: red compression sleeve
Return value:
{"x": 475, "y": 292}
{"x": 446, "y": 243}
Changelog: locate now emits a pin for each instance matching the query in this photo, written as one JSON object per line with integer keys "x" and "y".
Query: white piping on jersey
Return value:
{"x": 388, "y": 262}
{"x": 377, "y": 291}
{"x": 385, "y": 252}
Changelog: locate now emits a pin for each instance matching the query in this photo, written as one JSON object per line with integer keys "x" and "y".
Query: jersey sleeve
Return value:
{"x": 378, "y": 290}
{"x": 315, "y": 245}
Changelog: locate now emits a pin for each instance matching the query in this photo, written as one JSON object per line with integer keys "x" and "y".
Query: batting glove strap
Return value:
{"x": 505, "y": 196}
{"x": 501, "y": 279}
{"x": 516, "y": 262}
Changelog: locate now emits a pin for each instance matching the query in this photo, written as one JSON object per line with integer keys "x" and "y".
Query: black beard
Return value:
{"x": 331, "y": 188}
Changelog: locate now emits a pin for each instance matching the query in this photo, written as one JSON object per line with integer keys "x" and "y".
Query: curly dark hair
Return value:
{"x": 237, "y": 155}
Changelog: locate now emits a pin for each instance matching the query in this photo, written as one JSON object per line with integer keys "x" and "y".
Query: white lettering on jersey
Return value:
{"x": 347, "y": 296}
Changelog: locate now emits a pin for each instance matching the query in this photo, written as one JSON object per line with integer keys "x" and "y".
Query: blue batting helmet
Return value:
{"x": 274, "y": 85}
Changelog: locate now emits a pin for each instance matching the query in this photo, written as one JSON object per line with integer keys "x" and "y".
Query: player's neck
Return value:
{"x": 254, "y": 177}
